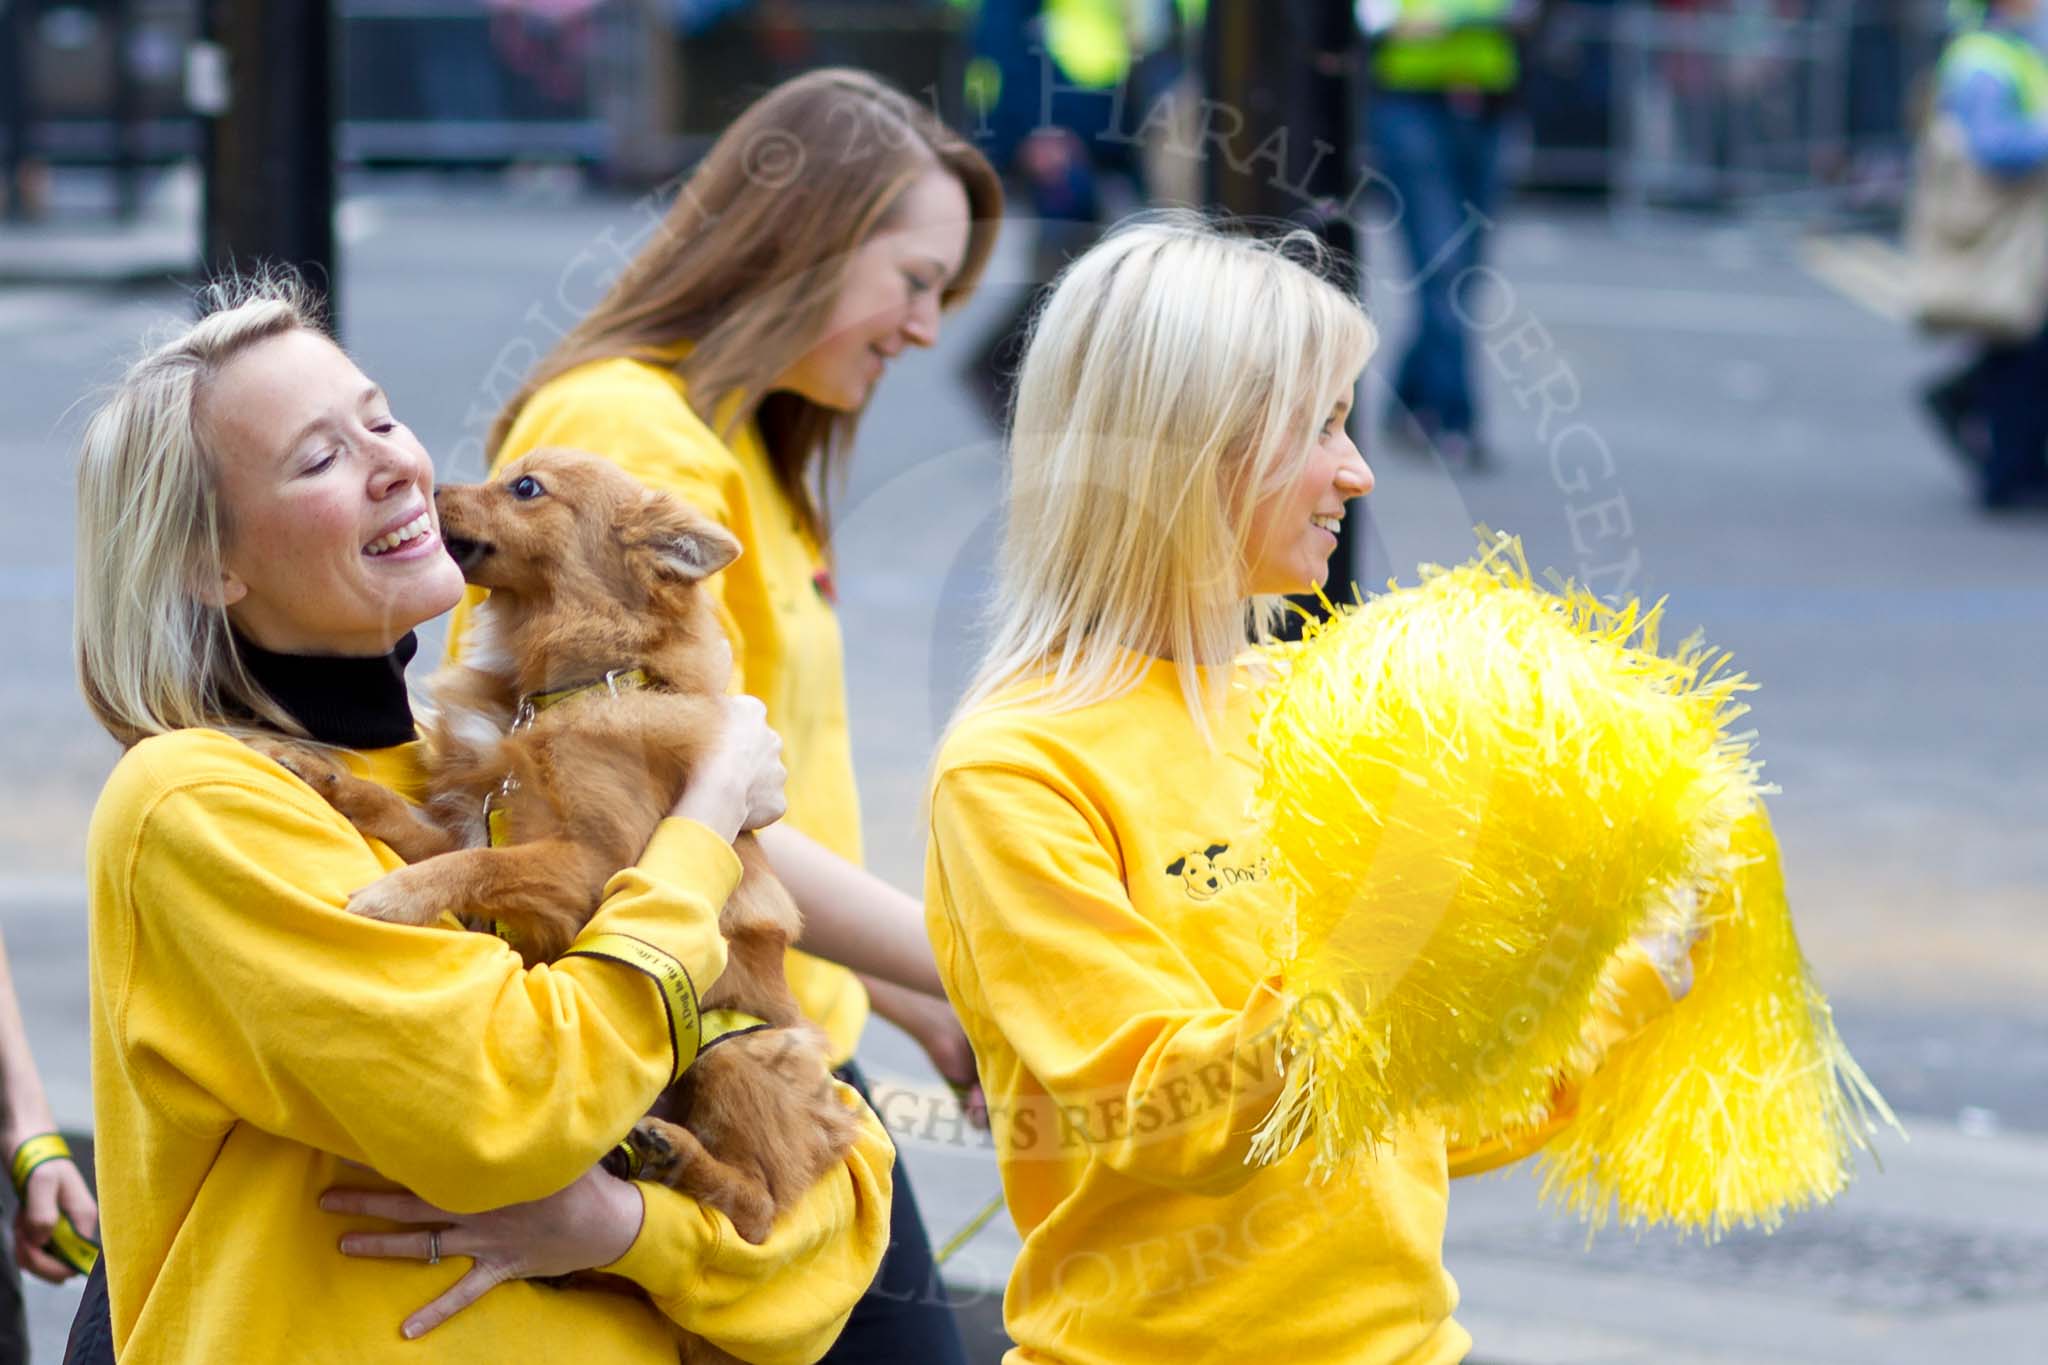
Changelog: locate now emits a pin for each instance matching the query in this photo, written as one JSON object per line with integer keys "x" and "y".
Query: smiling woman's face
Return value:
{"x": 332, "y": 543}
{"x": 1294, "y": 527}
{"x": 890, "y": 297}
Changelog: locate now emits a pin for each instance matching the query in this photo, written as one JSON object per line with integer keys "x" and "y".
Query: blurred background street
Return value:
{"x": 1734, "y": 342}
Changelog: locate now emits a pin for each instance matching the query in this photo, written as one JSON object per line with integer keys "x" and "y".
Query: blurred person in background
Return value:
{"x": 1993, "y": 81}
{"x": 1442, "y": 75}
{"x": 1060, "y": 86}
{"x": 825, "y": 232}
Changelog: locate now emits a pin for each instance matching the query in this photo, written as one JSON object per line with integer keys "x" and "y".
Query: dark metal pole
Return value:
{"x": 17, "y": 38}
{"x": 127, "y": 113}
{"x": 1285, "y": 68}
{"x": 270, "y": 151}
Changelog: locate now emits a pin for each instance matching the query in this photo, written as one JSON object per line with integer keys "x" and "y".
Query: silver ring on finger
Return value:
{"x": 434, "y": 1246}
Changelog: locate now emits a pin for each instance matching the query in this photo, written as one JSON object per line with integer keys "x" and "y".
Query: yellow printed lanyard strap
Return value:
{"x": 678, "y": 993}
{"x": 66, "y": 1243}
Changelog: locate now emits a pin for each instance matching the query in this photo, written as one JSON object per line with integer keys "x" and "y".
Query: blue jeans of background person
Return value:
{"x": 905, "y": 1316}
{"x": 2012, "y": 387}
{"x": 1441, "y": 155}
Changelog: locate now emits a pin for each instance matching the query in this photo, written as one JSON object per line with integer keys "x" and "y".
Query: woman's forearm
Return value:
{"x": 851, "y": 916}
{"x": 27, "y": 1108}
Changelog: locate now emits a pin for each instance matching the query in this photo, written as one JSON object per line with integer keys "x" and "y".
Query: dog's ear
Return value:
{"x": 1213, "y": 850}
{"x": 682, "y": 544}
{"x": 696, "y": 552}
{"x": 1176, "y": 867}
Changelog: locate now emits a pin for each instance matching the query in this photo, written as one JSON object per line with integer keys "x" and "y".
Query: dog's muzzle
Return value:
{"x": 466, "y": 553}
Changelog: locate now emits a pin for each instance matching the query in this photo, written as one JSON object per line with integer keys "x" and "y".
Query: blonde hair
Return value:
{"x": 1176, "y": 375}
{"x": 753, "y": 254}
{"x": 153, "y": 654}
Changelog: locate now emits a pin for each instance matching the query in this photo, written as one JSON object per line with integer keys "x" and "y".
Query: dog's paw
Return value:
{"x": 657, "y": 1152}
{"x": 674, "y": 1157}
{"x": 309, "y": 765}
{"x": 401, "y": 897}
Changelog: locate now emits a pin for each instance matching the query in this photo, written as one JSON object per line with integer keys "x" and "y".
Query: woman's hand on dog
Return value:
{"x": 738, "y": 786}
{"x": 591, "y": 1223}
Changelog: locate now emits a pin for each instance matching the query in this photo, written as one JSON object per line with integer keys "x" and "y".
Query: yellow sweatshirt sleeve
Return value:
{"x": 1165, "y": 1082}
{"x": 785, "y": 1301}
{"x": 245, "y": 992}
{"x": 1632, "y": 995}
{"x": 636, "y": 418}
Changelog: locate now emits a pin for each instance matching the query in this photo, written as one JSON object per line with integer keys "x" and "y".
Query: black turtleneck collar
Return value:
{"x": 356, "y": 703}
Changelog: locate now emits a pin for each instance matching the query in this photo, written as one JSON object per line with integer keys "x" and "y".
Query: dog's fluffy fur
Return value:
{"x": 589, "y": 571}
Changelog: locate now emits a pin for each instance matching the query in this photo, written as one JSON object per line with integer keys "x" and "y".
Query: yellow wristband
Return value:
{"x": 678, "y": 995}
{"x": 33, "y": 1152}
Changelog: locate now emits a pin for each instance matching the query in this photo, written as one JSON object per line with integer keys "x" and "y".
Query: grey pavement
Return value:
{"x": 1768, "y": 472}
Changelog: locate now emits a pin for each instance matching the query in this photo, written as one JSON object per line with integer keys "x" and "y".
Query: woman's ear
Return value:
{"x": 222, "y": 590}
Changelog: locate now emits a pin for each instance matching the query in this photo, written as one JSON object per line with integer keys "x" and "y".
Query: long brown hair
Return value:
{"x": 750, "y": 258}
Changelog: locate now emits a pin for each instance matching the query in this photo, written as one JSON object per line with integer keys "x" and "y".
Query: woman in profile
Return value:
{"x": 827, "y": 231}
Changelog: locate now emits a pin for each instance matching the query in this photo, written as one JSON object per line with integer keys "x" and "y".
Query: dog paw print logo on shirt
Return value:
{"x": 1206, "y": 872}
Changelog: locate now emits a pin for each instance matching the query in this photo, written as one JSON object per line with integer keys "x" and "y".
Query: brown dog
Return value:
{"x": 594, "y": 577}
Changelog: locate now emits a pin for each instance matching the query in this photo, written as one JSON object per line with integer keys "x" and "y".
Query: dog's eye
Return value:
{"x": 527, "y": 487}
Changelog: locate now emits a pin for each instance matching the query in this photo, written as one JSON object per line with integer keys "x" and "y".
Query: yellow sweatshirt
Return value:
{"x": 249, "y": 1035}
{"x": 773, "y": 602}
{"x": 1097, "y": 899}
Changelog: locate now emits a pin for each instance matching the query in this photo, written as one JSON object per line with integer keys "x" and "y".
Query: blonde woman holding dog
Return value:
{"x": 322, "y": 1135}
{"x": 1094, "y": 890}
{"x": 825, "y": 231}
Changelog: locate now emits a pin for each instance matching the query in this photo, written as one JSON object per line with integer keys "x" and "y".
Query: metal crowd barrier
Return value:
{"x": 1742, "y": 104}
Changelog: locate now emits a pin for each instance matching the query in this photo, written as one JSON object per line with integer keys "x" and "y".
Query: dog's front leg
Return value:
{"x": 542, "y": 892}
{"x": 375, "y": 811}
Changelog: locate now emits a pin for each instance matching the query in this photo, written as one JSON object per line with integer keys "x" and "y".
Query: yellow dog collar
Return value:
{"x": 615, "y": 681}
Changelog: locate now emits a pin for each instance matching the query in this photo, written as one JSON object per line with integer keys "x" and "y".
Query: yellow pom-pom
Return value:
{"x": 1738, "y": 1105}
{"x": 1476, "y": 792}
